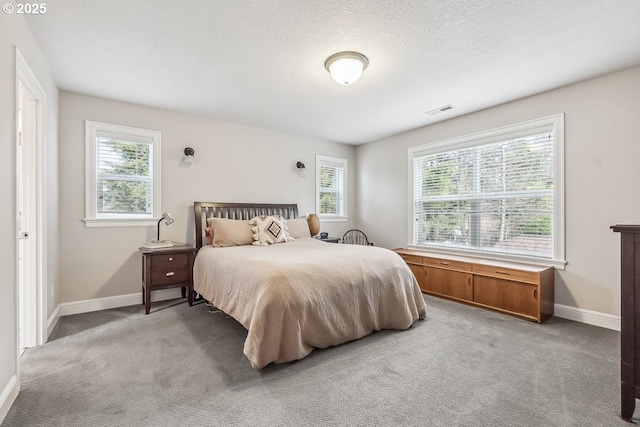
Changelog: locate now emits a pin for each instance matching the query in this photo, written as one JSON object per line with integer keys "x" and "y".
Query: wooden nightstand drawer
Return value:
{"x": 171, "y": 270}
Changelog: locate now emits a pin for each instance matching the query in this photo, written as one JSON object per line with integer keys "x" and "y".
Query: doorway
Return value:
{"x": 30, "y": 100}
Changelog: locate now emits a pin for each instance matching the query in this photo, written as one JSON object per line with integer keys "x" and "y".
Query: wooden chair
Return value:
{"x": 356, "y": 237}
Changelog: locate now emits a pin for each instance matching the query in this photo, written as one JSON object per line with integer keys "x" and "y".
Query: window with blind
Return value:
{"x": 496, "y": 194}
{"x": 331, "y": 188}
{"x": 123, "y": 175}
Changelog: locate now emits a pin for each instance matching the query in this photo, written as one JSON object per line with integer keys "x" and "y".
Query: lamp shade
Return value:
{"x": 314, "y": 224}
{"x": 167, "y": 218}
{"x": 346, "y": 67}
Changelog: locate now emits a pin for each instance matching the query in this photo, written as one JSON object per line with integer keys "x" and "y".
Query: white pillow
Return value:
{"x": 298, "y": 227}
{"x": 268, "y": 230}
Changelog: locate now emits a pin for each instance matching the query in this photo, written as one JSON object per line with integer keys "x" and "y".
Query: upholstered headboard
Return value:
{"x": 246, "y": 211}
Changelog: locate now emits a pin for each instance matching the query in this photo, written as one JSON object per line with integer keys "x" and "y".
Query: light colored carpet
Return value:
{"x": 182, "y": 366}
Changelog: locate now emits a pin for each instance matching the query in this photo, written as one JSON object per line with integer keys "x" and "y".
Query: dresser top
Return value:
{"x": 626, "y": 228}
{"x": 177, "y": 247}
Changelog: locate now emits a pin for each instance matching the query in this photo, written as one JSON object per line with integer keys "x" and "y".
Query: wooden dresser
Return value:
{"x": 629, "y": 317}
{"x": 518, "y": 289}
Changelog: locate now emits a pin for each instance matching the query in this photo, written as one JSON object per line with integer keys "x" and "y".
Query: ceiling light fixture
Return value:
{"x": 346, "y": 67}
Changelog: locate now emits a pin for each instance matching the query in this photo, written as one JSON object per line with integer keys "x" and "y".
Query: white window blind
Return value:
{"x": 491, "y": 196}
{"x": 331, "y": 187}
{"x": 124, "y": 183}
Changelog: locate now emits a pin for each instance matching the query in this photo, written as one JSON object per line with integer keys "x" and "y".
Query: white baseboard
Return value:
{"x": 589, "y": 317}
{"x": 8, "y": 396}
{"x": 97, "y": 304}
{"x": 581, "y": 315}
{"x": 53, "y": 320}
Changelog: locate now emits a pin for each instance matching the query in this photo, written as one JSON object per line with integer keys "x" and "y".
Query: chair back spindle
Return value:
{"x": 356, "y": 237}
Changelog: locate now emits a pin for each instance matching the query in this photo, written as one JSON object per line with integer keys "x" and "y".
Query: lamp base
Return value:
{"x": 154, "y": 244}
{"x": 314, "y": 224}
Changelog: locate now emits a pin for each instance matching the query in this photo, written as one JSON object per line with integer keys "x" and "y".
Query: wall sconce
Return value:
{"x": 188, "y": 158}
{"x": 302, "y": 170}
{"x": 168, "y": 220}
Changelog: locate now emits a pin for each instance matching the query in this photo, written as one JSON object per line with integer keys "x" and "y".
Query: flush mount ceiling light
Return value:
{"x": 346, "y": 67}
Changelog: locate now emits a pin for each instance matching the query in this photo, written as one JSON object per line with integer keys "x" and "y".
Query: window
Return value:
{"x": 331, "y": 188}
{"x": 123, "y": 175}
{"x": 496, "y": 194}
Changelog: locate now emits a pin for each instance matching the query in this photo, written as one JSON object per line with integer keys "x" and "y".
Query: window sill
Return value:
{"x": 124, "y": 222}
{"x": 333, "y": 218}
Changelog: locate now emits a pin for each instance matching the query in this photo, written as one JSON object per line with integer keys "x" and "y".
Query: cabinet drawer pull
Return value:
{"x": 169, "y": 274}
{"x": 506, "y": 273}
{"x": 535, "y": 293}
{"x": 170, "y": 258}
{"x": 445, "y": 263}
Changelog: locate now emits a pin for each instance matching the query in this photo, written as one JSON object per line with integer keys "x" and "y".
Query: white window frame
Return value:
{"x": 556, "y": 123}
{"x": 92, "y": 129}
{"x": 334, "y": 162}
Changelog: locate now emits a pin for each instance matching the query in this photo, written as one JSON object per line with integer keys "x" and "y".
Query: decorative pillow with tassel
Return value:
{"x": 268, "y": 230}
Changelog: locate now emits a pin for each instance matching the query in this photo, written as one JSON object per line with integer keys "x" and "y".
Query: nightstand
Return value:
{"x": 328, "y": 239}
{"x": 165, "y": 268}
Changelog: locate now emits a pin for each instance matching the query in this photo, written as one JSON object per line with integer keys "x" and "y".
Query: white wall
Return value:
{"x": 602, "y": 149}
{"x": 14, "y": 32}
{"x": 235, "y": 164}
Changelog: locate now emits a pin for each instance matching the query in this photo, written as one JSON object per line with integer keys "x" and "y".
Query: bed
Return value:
{"x": 304, "y": 294}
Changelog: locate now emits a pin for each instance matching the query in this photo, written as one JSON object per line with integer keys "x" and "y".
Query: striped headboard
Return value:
{"x": 246, "y": 211}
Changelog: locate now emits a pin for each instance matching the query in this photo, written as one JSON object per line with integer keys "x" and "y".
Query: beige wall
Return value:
{"x": 602, "y": 149}
{"x": 235, "y": 164}
{"x": 14, "y": 32}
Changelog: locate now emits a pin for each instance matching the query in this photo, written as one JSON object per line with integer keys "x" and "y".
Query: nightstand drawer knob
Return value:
{"x": 170, "y": 259}
{"x": 169, "y": 274}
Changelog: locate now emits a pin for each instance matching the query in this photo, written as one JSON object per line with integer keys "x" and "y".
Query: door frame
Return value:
{"x": 38, "y": 315}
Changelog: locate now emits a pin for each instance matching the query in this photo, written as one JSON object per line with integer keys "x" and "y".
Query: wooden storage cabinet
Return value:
{"x": 522, "y": 290}
{"x": 501, "y": 272}
{"x": 513, "y": 297}
{"x": 418, "y": 271}
{"x": 415, "y": 264}
{"x": 448, "y": 264}
{"x": 453, "y": 284}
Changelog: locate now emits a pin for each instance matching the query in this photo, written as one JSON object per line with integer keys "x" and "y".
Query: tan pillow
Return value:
{"x": 230, "y": 232}
{"x": 208, "y": 235}
{"x": 268, "y": 230}
{"x": 298, "y": 227}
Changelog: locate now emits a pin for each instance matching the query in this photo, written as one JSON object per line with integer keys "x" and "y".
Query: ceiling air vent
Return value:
{"x": 439, "y": 110}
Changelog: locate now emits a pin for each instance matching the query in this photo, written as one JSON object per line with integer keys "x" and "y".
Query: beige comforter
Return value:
{"x": 294, "y": 297}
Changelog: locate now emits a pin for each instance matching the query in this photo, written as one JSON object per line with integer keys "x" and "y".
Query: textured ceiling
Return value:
{"x": 261, "y": 62}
